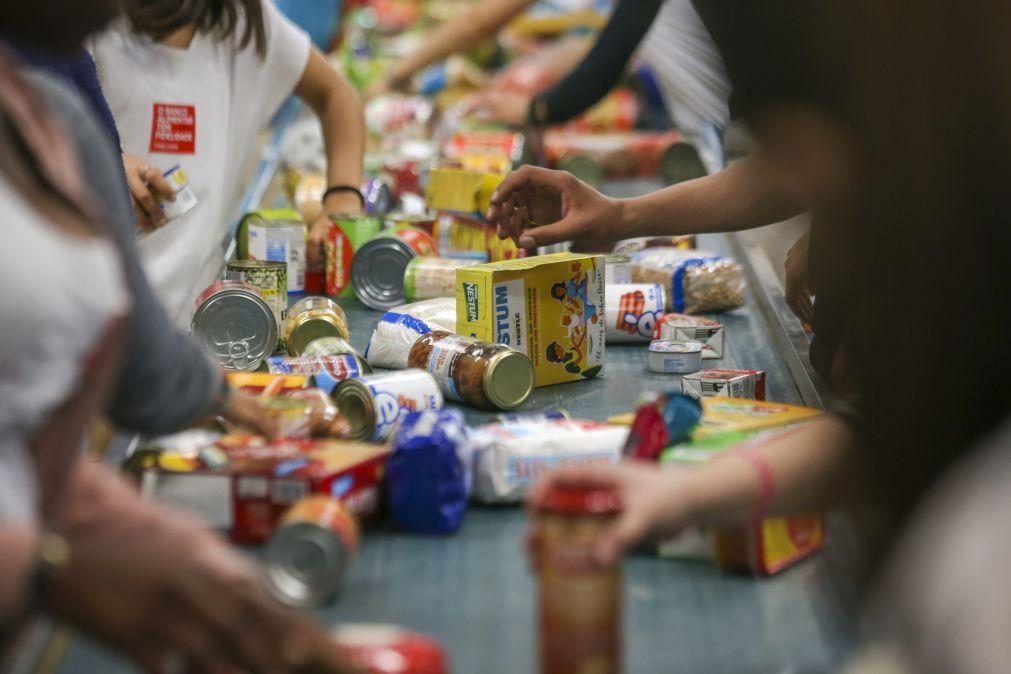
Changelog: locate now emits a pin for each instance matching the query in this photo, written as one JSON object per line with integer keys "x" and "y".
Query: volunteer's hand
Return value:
{"x": 149, "y": 188}
{"x": 656, "y": 503}
{"x": 245, "y": 411}
{"x": 538, "y": 207}
{"x": 336, "y": 204}
{"x": 176, "y": 598}
{"x": 798, "y": 281}
{"x": 507, "y": 108}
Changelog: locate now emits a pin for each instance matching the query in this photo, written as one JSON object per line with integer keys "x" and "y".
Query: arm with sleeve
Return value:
{"x": 167, "y": 380}
{"x": 602, "y": 68}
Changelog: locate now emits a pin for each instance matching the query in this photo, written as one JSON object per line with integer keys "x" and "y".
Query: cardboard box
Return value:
{"x": 684, "y": 328}
{"x": 460, "y": 190}
{"x": 734, "y": 415}
{"x": 248, "y": 497}
{"x": 748, "y": 384}
{"x": 549, "y": 307}
{"x": 763, "y": 548}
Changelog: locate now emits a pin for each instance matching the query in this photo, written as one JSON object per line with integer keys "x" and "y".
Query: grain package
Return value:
{"x": 549, "y": 307}
{"x": 698, "y": 282}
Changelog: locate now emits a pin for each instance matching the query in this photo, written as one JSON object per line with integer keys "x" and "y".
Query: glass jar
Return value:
{"x": 580, "y": 603}
{"x": 313, "y": 318}
{"x": 487, "y": 376}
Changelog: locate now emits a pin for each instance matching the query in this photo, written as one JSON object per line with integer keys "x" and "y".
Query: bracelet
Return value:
{"x": 51, "y": 557}
{"x": 336, "y": 189}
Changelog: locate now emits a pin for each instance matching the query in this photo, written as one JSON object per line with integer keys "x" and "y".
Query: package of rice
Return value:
{"x": 401, "y": 327}
{"x": 699, "y": 282}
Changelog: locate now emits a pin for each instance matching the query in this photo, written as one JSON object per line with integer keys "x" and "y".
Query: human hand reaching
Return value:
{"x": 149, "y": 189}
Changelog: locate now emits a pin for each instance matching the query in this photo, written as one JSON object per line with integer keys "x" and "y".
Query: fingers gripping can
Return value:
{"x": 309, "y": 554}
{"x": 378, "y": 267}
{"x": 633, "y": 311}
{"x": 374, "y": 404}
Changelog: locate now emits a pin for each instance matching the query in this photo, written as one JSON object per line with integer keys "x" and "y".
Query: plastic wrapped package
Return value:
{"x": 399, "y": 328}
{"x": 699, "y": 282}
{"x": 427, "y": 480}
{"x": 430, "y": 277}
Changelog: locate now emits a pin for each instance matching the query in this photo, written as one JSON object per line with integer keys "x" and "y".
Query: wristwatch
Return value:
{"x": 52, "y": 556}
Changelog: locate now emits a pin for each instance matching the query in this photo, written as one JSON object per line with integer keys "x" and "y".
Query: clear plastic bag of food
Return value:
{"x": 699, "y": 282}
{"x": 399, "y": 328}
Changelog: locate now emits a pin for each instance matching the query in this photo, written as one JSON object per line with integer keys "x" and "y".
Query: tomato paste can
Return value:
{"x": 310, "y": 552}
{"x": 235, "y": 325}
{"x": 270, "y": 278}
{"x": 313, "y": 318}
{"x": 580, "y": 606}
{"x": 387, "y": 649}
{"x": 675, "y": 357}
{"x": 617, "y": 269}
{"x": 345, "y": 236}
{"x": 279, "y": 241}
{"x": 374, "y": 404}
{"x": 185, "y": 200}
{"x": 377, "y": 270}
{"x": 632, "y": 311}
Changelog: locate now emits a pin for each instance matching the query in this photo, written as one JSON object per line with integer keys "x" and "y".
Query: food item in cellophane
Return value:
{"x": 698, "y": 282}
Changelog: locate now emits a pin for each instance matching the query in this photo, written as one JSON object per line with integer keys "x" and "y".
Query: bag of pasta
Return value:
{"x": 699, "y": 282}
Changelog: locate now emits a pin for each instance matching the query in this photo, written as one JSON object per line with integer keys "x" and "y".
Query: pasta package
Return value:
{"x": 699, "y": 282}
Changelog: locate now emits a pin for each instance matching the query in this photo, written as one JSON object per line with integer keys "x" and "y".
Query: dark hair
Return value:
{"x": 158, "y": 19}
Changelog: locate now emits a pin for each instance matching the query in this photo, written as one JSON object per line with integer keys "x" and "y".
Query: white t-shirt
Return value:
{"x": 200, "y": 108}
{"x": 688, "y": 68}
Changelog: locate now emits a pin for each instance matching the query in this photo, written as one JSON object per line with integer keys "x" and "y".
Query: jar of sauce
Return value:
{"x": 580, "y": 604}
{"x": 487, "y": 376}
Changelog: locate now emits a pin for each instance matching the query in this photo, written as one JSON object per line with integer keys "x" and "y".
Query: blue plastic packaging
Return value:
{"x": 427, "y": 479}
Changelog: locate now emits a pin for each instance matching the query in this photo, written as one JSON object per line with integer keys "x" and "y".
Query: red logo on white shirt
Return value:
{"x": 174, "y": 129}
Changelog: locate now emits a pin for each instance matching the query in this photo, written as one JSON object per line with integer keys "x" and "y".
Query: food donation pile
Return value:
{"x": 462, "y": 320}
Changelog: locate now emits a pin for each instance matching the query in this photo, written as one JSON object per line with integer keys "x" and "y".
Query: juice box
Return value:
{"x": 549, "y": 307}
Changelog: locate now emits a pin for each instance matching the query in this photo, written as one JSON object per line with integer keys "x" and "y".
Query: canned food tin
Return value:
{"x": 633, "y": 310}
{"x": 290, "y": 417}
{"x": 325, "y": 347}
{"x": 617, "y": 269}
{"x": 270, "y": 278}
{"x": 675, "y": 357}
{"x": 185, "y": 200}
{"x": 313, "y": 318}
{"x": 326, "y": 372}
{"x": 681, "y": 162}
{"x": 431, "y": 277}
{"x": 377, "y": 270}
{"x": 386, "y": 649}
{"x": 378, "y": 196}
{"x": 583, "y": 167}
{"x": 374, "y": 404}
{"x": 310, "y": 552}
{"x": 235, "y": 325}
{"x": 279, "y": 241}
{"x": 425, "y": 221}
{"x": 347, "y": 235}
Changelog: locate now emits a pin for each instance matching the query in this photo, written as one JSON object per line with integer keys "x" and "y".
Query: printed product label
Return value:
{"x": 472, "y": 297}
{"x": 281, "y": 244}
{"x": 442, "y": 363}
{"x": 338, "y": 262}
{"x": 394, "y": 395}
{"x": 617, "y": 273}
{"x": 510, "y": 314}
{"x": 633, "y": 312}
{"x": 174, "y": 129}
{"x": 185, "y": 199}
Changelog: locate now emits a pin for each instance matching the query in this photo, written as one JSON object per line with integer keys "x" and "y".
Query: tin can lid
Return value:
{"x": 311, "y": 329}
{"x": 244, "y": 265}
{"x": 660, "y": 346}
{"x": 574, "y": 500}
{"x": 354, "y": 401}
{"x": 237, "y": 328}
{"x": 305, "y": 564}
{"x": 377, "y": 272}
{"x": 509, "y": 380}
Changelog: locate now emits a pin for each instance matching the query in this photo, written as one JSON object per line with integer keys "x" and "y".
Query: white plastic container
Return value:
{"x": 675, "y": 357}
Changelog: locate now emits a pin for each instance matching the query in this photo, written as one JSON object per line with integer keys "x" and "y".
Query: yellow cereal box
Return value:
{"x": 548, "y": 307}
{"x": 461, "y": 190}
{"x": 736, "y": 415}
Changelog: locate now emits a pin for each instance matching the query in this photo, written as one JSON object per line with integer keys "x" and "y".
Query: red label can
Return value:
{"x": 386, "y": 649}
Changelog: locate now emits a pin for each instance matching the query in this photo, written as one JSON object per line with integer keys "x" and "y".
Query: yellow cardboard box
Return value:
{"x": 461, "y": 190}
{"x": 549, "y": 307}
{"x": 736, "y": 415}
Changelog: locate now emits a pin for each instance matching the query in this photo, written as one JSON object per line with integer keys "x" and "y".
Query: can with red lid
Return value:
{"x": 377, "y": 270}
{"x": 388, "y": 649}
{"x": 580, "y": 601}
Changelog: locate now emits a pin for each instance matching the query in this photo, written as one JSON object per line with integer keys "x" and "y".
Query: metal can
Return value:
{"x": 378, "y": 196}
{"x": 617, "y": 269}
{"x": 425, "y": 221}
{"x": 680, "y": 162}
{"x": 235, "y": 325}
{"x": 279, "y": 241}
{"x": 431, "y": 277}
{"x": 580, "y": 606}
{"x": 270, "y": 278}
{"x": 290, "y": 417}
{"x": 374, "y": 404}
{"x": 387, "y": 649}
{"x": 584, "y": 167}
{"x": 313, "y": 318}
{"x": 310, "y": 552}
{"x": 377, "y": 270}
{"x": 633, "y": 311}
{"x": 326, "y": 372}
{"x": 185, "y": 200}
{"x": 346, "y": 235}
{"x": 675, "y": 357}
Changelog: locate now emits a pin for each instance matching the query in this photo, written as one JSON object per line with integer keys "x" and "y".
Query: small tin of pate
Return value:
{"x": 374, "y": 404}
{"x": 675, "y": 357}
{"x": 235, "y": 325}
{"x": 377, "y": 269}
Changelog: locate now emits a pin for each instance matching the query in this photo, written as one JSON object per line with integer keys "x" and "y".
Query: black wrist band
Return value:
{"x": 336, "y": 189}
